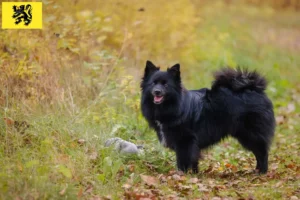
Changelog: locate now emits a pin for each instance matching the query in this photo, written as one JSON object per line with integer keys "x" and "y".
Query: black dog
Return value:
{"x": 188, "y": 121}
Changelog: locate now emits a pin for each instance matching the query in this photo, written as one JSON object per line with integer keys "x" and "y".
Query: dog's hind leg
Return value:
{"x": 259, "y": 148}
{"x": 255, "y": 133}
{"x": 261, "y": 156}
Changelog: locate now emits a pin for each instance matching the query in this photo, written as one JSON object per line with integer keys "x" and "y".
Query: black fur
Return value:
{"x": 188, "y": 121}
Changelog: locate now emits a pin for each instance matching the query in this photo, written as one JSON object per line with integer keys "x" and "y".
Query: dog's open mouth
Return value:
{"x": 158, "y": 99}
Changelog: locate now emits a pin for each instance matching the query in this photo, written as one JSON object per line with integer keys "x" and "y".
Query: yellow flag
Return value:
{"x": 22, "y": 15}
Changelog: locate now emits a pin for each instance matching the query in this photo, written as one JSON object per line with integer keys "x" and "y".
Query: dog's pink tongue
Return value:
{"x": 157, "y": 99}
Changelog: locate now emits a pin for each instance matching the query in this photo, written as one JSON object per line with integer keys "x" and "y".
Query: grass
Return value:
{"x": 84, "y": 88}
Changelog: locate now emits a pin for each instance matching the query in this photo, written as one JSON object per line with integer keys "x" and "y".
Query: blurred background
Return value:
{"x": 78, "y": 77}
{"x": 87, "y": 47}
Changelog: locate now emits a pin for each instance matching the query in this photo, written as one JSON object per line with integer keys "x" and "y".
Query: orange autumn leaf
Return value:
{"x": 8, "y": 121}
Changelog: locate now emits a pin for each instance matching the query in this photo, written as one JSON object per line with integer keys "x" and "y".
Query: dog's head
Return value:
{"x": 161, "y": 86}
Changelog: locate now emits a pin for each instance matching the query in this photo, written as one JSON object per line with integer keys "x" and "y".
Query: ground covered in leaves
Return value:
{"x": 68, "y": 88}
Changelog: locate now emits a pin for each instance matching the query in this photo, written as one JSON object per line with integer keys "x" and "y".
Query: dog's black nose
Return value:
{"x": 157, "y": 92}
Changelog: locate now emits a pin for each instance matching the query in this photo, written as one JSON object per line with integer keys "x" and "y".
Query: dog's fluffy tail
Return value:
{"x": 239, "y": 79}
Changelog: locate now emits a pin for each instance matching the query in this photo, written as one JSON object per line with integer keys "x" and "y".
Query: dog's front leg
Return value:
{"x": 187, "y": 155}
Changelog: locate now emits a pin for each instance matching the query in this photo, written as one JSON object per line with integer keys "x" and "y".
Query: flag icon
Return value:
{"x": 22, "y": 15}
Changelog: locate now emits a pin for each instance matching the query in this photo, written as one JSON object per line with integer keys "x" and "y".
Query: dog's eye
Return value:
{"x": 164, "y": 83}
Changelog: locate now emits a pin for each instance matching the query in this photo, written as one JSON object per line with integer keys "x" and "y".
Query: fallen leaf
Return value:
{"x": 171, "y": 172}
{"x": 202, "y": 188}
{"x": 209, "y": 169}
{"x": 233, "y": 168}
{"x": 220, "y": 169}
{"x": 220, "y": 187}
{"x": 20, "y": 167}
{"x": 228, "y": 165}
{"x": 9, "y": 121}
{"x": 131, "y": 167}
{"x": 97, "y": 198}
{"x": 89, "y": 189}
{"x": 81, "y": 141}
{"x": 176, "y": 177}
{"x": 290, "y": 166}
{"x": 193, "y": 180}
{"x": 108, "y": 197}
{"x": 149, "y": 180}
{"x": 80, "y": 192}
{"x": 280, "y": 119}
{"x": 93, "y": 155}
{"x": 185, "y": 187}
{"x": 279, "y": 184}
{"x": 274, "y": 166}
{"x": 162, "y": 178}
{"x": 183, "y": 178}
{"x": 290, "y": 108}
{"x": 294, "y": 198}
{"x": 180, "y": 173}
{"x": 172, "y": 197}
{"x": 250, "y": 197}
{"x": 150, "y": 166}
{"x": 63, "y": 191}
{"x": 126, "y": 186}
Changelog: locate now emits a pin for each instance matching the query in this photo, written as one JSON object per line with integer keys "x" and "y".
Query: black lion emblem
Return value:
{"x": 22, "y": 12}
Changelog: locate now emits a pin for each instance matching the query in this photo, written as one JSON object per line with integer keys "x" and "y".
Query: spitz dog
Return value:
{"x": 188, "y": 121}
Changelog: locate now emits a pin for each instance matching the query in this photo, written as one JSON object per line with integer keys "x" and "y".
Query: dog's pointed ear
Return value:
{"x": 150, "y": 68}
{"x": 175, "y": 71}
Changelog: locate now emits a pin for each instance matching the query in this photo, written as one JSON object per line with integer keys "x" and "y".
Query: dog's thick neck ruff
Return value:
{"x": 180, "y": 110}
